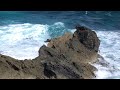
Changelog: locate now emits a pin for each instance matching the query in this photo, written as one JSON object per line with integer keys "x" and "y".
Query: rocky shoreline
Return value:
{"x": 65, "y": 57}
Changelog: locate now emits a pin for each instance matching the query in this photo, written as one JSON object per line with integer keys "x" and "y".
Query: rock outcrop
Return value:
{"x": 65, "y": 57}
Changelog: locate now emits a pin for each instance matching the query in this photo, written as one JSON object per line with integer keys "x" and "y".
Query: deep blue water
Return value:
{"x": 108, "y": 20}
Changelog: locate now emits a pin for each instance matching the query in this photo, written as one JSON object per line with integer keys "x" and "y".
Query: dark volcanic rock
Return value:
{"x": 87, "y": 37}
{"x": 65, "y": 57}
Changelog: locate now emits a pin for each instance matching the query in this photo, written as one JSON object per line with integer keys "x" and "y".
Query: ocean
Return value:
{"x": 22, "y": 33}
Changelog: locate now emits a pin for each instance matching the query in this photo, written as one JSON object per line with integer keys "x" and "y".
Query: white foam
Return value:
{"x": 110, "y": 50}
{"x": 22, "y": 41}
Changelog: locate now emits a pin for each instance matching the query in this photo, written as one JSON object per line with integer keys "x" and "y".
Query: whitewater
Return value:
{"x": 22, "y": 41}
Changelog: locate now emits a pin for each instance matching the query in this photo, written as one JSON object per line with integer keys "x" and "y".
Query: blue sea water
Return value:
{"x": 23, "y": 32}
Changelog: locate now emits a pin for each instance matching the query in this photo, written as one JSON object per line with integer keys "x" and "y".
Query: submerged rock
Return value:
{"x": 65, "y": 57}
{"x": 48, "y": 40}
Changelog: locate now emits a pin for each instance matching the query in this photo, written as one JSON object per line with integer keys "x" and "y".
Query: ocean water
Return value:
{"x": 22, "y": 33}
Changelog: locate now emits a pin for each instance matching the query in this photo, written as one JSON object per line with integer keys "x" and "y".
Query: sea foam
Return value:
{"x": 110, "y": 51}
{"x": 22, "y": 41}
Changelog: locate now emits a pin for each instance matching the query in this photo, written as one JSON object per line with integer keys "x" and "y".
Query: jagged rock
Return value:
{"x": 65, "y": 57}
{"x": 87, "y": 37}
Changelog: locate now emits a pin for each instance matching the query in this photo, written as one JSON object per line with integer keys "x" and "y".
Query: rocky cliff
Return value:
{"x": 65, "y": 57}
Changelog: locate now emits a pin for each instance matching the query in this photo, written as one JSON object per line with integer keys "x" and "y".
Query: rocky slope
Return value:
{"x": 65, "y": 57}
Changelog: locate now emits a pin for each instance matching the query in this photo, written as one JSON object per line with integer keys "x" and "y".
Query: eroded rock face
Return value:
{"x": 65, "y": 57}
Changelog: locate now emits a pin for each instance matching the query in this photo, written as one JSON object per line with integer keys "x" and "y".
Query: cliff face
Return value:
{"x": 65, "y": 57}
